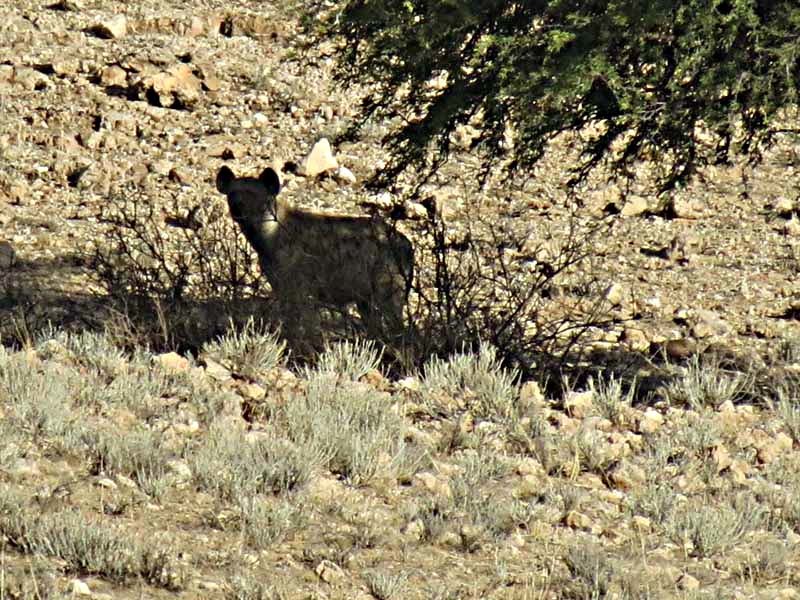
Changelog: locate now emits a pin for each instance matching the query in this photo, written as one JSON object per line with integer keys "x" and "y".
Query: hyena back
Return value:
{"x": 327, "y": 259}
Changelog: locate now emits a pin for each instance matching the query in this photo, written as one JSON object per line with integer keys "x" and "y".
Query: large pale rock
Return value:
{"x": 319, "y": 160}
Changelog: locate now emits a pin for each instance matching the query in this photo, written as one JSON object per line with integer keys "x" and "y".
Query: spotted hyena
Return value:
{"x": 320, "y": 259}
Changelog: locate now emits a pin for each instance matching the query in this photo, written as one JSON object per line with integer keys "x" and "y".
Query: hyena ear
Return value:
{"x": 225, "y": 178}
{"x": 271, "y": 181}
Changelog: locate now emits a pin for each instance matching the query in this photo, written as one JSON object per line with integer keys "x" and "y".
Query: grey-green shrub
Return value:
{"x": 352, "y": 425}
{"x": 492, "y": 391}
{"x": 251, "y": 352}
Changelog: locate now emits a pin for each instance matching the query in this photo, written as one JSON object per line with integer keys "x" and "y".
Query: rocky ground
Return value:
{"x": 583, "y": 496}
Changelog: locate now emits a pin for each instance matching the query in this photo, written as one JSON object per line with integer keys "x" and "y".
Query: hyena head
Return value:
{"x": 251, "y": 201}
{"x": 311, "y": 257}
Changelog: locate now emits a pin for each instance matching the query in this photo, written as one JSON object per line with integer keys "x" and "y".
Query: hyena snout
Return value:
{"x": 315, "y": 257}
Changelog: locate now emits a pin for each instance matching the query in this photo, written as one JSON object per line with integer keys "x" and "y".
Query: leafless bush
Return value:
{"x": 504, "y": 280}
{"x": 189, "y": 268}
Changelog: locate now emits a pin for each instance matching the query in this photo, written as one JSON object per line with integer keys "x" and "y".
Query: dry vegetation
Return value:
{"x": 623, "y": 422}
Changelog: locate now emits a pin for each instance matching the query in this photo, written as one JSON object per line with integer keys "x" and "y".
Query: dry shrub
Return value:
{"x": 506, "y": 281}
{"x": 189, "y": 268}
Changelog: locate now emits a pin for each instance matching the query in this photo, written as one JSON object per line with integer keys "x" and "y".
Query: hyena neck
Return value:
{"x": 263, "y": 237}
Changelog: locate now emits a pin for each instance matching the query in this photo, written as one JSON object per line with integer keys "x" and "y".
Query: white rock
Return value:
{"x": 319, "y": 160}
{"x": 614, "y": 294}
{"x": 79, "y": 588}
{"x": 345, "y": 175}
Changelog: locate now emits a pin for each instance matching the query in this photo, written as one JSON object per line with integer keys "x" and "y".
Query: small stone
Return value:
{"x": 180, "y": 469}
{"x": 529, "y": 466}
{"x": 470, "y": 535}
{"x": 345, "y": 175}
{"x": 79, "y": 588}
{"x": 615, "y": 294}
{"x": 22, "y": 468}
{"x": 175, "y": 87}
{"x": 211, "y": 586}
{"x": 651, "y": 421}
{"x": 577, "y": 520}
{"x": 227, "y": 149}
{"x": 688, "y": 583}
{"x": 251, "y": 391}
{"x": 792, "y": 227}
{"x": 410, "y": 383}
{"x": 323, "y": 488}
{"x": 709, "y": 324}
{"x": 113, "y": 28}
{"x": 687, "y": 209}
{"x": 126, "y": 482}
{"x": 172, "y": 362}
{"x": 784, "y": 207}
{"x": 739, "y": 470}
{"x": 628, "y": 476}
{"x": 530, "y": 486}
{"x": 466, "y": 423}
{"x": 433, "y": 484}
{"x": 215, "y": 370}
{"x": 375, "y": 379}
{"x": 329, "y": 572}
{"x": 105, "y": 482}
{"x": 449, "y": 539}
{"x": 635, "y": 206}
{"x": 319, "y": 160}
{"x": 653, "y": 302}
{"x": 415, "y": 211}
{"x": 30, "y": 79}
{"x": 726, "y": 407}
{"x": 65, "y": 67}
{"x": 721, "y": 457}
{"x": 579, "y": 404}
{"x": 635, "y": 339}
{"x": 530, "y": 394}
{"x": 113, "y": 76}
{"x": 769, "y": 449}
